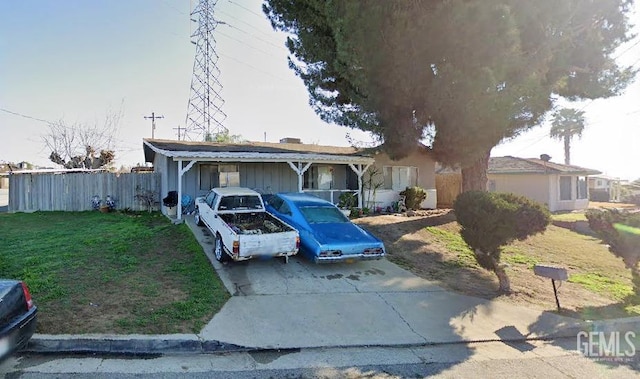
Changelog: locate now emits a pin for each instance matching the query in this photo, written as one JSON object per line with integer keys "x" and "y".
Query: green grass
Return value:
{"x": 606, "y": 285}
{"x": 514, "y": 255}
{"x": 573, "y": 216}
{"x": 454, "y": 242}
{"x": 110, "y": 273}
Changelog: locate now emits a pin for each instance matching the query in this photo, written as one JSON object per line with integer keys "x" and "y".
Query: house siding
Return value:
{"x": 426, "y": 178}
{"x": 544, "y": 189}
{"x": 535, "y": 187}
{"x": 568, "y": 205}
{"x": 268, "y": 177}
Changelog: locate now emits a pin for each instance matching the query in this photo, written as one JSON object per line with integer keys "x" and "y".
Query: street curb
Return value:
{"x": 622, "y": 325}
{"x": 127, "y": 344}
{"x": 191, "y": 344}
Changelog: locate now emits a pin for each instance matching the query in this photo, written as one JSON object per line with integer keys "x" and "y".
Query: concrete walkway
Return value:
{"x": 304, "y": 305}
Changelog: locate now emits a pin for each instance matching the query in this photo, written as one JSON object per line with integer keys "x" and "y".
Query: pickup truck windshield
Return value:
{"x": 230, "y": 203}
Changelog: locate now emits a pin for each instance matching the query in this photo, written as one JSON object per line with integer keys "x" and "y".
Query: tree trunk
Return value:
{"x": 503, "y": 278}
{"x": 474, "y": 176}
{"x": 635, "y": 279}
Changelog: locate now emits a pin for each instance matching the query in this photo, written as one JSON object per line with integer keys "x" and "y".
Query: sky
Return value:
{"x": 77, "y": 60}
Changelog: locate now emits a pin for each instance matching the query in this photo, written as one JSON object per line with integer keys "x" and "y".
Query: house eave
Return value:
{"x": 221, "y": 156}
{"x": 267, "y": 157}
{"x": 550, "y": 172}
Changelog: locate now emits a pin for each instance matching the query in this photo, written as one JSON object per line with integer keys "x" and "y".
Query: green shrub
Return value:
{"x": 490, "y": 221}
{"x": 621, "y": 231}
{"x": 414, "y": 196}
{"x": 347, "y": 200}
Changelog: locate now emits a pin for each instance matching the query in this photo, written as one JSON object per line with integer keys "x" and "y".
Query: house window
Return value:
{"x": 210, "y": 174}
{"x": 599, "y": 183}
{"x": 581, "y": 187}
{"x": 319, "y": 177}
{"x": 398, "y": 178}
{"x": 565, "y": 188}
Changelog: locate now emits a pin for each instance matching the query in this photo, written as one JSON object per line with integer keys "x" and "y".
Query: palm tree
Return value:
{"x": 567, "y": 122}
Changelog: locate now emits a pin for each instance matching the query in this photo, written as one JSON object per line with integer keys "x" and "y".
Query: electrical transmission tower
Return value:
{"x": 204, "y": 111}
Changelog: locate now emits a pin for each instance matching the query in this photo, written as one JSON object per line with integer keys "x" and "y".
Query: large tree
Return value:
{"x": 464, "y": 74}
{"x": 567, "y": 123}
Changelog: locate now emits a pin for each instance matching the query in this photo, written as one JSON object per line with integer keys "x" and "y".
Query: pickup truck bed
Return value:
{"x": 254, "y": 223}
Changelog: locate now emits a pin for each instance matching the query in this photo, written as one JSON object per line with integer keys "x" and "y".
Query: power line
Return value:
{"x": 174, "y": 8}
{"x": 247, "y": 9}
{"x": 258, "y": 38}
{"x": 253, "y": 67}
{"x": 246, "y": 23}
{"x": 246, "y": 44}
{"x": 25, "y": 116}
{"x": 627, "y": 49}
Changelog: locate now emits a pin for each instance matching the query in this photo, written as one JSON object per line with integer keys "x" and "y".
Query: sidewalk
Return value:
{"x": 303, "y": 305}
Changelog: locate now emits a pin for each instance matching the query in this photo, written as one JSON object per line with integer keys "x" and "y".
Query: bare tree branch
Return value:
{"x": 83, "y": 145}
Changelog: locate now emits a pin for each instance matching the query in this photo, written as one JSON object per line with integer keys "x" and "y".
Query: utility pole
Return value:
{"x": 153, "y": 123}
{"x": 179, "y": 128}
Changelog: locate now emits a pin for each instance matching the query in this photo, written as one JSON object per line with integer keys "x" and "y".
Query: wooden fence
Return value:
{"x": 75, "y": 191}
{"x": 448, "y": 187}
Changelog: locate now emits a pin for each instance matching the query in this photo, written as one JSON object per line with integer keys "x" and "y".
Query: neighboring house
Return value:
{"x": 192, "y": 168}
{"x": 604, "y": 188}
{"x": 4, "y": 176}
{"x": 560, "y": 187}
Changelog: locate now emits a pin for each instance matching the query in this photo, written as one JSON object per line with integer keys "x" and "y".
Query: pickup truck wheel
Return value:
{"x": 198, "y": 219}
{"x": 218, "y": 250}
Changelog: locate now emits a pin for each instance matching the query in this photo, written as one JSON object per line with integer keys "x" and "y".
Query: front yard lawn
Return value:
{"x": 92, "y": 272}
{"x": 599, "y": 285}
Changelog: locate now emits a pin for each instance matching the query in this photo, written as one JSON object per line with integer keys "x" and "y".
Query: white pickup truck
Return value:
{"x": 242, "y": 228}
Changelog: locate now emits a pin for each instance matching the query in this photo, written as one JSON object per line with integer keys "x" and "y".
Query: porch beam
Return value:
{"x": 181, "y": 172}
{"x": 299, "y": 170}
{"x": 360, "y": 172}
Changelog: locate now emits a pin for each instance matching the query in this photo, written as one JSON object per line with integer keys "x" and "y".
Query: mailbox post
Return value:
{"x": 554, "y": 273}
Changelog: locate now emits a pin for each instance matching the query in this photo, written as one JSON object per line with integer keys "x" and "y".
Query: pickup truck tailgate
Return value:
{"x": 268, "y": 244}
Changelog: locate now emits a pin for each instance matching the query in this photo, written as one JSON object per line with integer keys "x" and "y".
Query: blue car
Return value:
{"x": 326, "y": 234}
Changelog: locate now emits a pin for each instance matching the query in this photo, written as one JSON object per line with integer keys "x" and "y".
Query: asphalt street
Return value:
{"x": 531, "y": 359}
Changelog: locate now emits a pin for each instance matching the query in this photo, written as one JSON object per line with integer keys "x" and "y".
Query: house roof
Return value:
{"x": 515, "y": 165}
{"x": 253, "y": 152}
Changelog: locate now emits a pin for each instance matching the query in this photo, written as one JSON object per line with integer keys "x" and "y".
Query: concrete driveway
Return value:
{"x": 375, "y": 303}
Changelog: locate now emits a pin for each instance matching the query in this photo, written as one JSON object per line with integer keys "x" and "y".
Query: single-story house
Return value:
{"x": 192, "y": 168}
{"x": 561, "y": 187}
{"x": 604, "y": 188}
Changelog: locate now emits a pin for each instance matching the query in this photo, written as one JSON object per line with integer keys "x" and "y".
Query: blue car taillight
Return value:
{"x": 375, "y": 250}
{"x": 331, "y": 253}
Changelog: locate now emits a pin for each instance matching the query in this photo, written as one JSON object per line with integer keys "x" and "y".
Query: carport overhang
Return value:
{"x": 298, "y": 161}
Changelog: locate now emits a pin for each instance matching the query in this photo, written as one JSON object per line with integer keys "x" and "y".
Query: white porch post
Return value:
{"x": 300, "y": 171}
{"x": 181, "y": 172}
{"x": 360, "y": 172}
